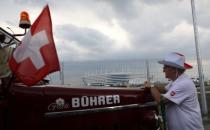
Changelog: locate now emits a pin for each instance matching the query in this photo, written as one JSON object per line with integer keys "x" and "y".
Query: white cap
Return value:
{"x": 176, "y": 60}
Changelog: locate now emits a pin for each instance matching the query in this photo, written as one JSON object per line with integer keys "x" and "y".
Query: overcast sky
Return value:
{"x": 117, "y": 29}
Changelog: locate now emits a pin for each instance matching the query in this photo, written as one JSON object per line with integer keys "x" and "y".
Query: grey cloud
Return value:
{"x": 144, "y": 20}
{"x": 31, "y": 2}
{"x": 203, "y": 13}
{"x": 85, "y": 37}
{"x": 147, "y": 28}
{"x": 154, "y": 2}
{"x": 90, "y": 39}
{"x": 125, "y": 8}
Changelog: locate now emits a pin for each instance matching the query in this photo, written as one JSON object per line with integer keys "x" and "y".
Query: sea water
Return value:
{"x": 75, "y": 73}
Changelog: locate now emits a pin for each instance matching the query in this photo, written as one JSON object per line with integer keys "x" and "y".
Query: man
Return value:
{"x": 5, "y": 72}
{"x": 179, "y": 96}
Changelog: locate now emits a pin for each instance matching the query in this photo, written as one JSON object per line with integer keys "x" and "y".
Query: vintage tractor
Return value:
{"x": 56, "y": 107}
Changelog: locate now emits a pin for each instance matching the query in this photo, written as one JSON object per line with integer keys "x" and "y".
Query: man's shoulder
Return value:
{"x": 184, "y": 79}
{"x": 184, "y": 83}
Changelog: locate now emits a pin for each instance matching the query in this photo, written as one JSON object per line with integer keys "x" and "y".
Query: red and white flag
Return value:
{"x": 36, "y": 57}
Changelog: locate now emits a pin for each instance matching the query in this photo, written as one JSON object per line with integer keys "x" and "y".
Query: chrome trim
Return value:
{"x": 97, "y": 110}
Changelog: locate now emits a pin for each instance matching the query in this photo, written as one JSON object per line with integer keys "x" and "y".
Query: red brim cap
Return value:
{"x": 187, "y": 66}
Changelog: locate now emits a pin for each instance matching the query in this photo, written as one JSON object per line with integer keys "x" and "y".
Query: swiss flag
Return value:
{"x": 36, "y": 57}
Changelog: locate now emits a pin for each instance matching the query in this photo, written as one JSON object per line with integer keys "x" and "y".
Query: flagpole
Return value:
{"x": 62, "y": 73}
{"x": 148, "y": 71}
{"x": 200, "y": 69}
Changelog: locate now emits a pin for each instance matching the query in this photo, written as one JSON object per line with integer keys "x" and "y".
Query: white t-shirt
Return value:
{"x": 183, "y": 112}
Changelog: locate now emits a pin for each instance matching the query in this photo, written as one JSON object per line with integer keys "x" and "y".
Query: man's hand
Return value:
{"x": 148, "y": 84}
{"x": 154, "y": 91}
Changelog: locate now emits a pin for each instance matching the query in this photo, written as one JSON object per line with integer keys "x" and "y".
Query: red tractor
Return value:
{"x": 53, "y": 107}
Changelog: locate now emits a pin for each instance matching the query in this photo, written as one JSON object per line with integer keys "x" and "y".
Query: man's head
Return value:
{"x": 174, "y": 65}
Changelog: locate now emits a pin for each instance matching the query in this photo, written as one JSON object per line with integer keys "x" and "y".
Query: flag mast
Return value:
{"x": 200, "y": 69}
